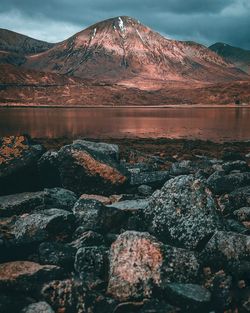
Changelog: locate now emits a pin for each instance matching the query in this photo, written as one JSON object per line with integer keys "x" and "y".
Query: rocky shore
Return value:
{"x": 93, "y": 227}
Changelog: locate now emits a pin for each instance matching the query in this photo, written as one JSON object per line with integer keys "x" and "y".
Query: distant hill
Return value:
{"x": 239, "y": 57}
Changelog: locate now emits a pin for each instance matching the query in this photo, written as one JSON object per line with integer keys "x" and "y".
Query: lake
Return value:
{"x": 213, "y": 123}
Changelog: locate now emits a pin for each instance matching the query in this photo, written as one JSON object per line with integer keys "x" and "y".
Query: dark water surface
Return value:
{"x": 214, "y": 123}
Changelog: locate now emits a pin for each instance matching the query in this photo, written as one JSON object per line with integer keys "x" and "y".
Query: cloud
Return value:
{"x": 205, "y": 21}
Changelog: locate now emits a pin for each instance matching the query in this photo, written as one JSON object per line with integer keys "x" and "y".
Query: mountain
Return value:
{"x": 239, "y": 57}
{"x": 14, "y": 42}
{"x": 122, "y": 50}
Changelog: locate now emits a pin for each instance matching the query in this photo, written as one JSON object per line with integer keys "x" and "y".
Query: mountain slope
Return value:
{"x": 239, "y": 57}
{"x": 14, "y": 42}
{"x": 122, "y": 49}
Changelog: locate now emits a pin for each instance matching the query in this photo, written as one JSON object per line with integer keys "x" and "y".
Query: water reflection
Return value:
{"x": 203, "y": 123}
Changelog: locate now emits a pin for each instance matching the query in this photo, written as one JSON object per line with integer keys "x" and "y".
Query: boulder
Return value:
{"x": 20, "y": 203}
{"x": 18, "y": 164}
{"x": 225, "y": 248}
{"x": 232, "y": 156}
{"x": 145, "y": 190}
{"x": 183, "y": 212}
{"x": 221, "y": 183}
{"x": 83, "y": 170}
{"x": 87, "y": 239}
{"x": 91, "y": 264}
{"x": 155, "y": 179}
{"x": 111, "y": 150}
{"x": 38, "y": 307}
{"x": 67, "y": 296}
{"x": 191, "y": 297}
{"x": 238, "y": 165}
{"x": 43, "y": 225}
{"x": 242, "y": 214}
{"x": 57, "y": 253}
{"x": 93, "y": 215}
{"x": 48, "y": 169}
{"x": 59, "y": 198}
{"x": 139, "y": 263}
{"x": 27, "y": 202}
{"x": 25, "y": 276}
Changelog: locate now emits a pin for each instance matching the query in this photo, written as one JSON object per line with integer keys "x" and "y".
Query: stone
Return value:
{"x": 236, "y": 226}
{"x": 242, "y": 214}
{"x": 232, "y": 156}
{"x": 43, "y": 225}
{"x": 190, "y": 297}
{"x": 155, "y": 179}
{"x": 238, "y": 165}
{"x": 91, "y": 263}
{"x": 67, "y": 296}
{"x": 111, "y": 150}
{"x": 183, "y": 213}
{"x": 104, "y": 200}
{"x": 87, "y": 239}
{"x": 38, "y": 307}
{"x": 59, "y": 198}
{"x": 25, "y": 276}
{"x": 130, "y": 205}
{"x": 225, "y": 248}
{"x": 145, "y": 190}
{"x": 139, "y": 263}
{"x": 48, "y": 169}
{"x": 18, "y": 158}
{"x": 221, "y": 183}
{"x": 93, "y": 215}
{"x": 57, "y": 253}
{"x": 20, "y": 203}
{"x": 83, "y": 170}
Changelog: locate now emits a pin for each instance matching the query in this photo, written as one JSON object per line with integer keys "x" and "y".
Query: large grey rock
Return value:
{"x": 111, "y": 150}
{"x": 26, "y": 202}
{"x": 38, "y": 307}
{"x": 221, "y": 183}
{"x": 20, "y": 203}
{"x": 190, "y": 297}
{"x": 93, "y": 215}
{"x": 226, "y": 247}
{"x": 41, "y": 226}
{"x": 26, "y": 276}
{"x": 139, "y": 263}
{"x": 85, "y": 170}
{"x": 183, "y": 212}
{"x": 154, "y": 179}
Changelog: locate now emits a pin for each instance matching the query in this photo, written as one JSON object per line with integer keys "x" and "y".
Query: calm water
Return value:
{"x": 188, "y": 122}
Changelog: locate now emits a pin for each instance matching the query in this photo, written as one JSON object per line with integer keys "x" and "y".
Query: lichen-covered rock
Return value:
{"x": 20, "y": 203}
{"x": 190, "y": 297}
{"x": 57, "y": 253}
{"x": 221, "y": 183}
{"x": 154, "y": 179}
{"x": 26, "y": 276}
{"x": 225, "y": 248}
{"x": 43, "y": 225}
{"x": 183, "y": 212}
{"x": 38, "y": 307}
{"x": 145, "y": 190}
{"x": 67, "y": 296}
{"x": 93, "y": 215}
{"x": 18, "y": 157}
{"x": 83, "y": 170}
{"x": 48, "y": 169}
{"x": 111, "y": 150}
{"x": 242, "y": 214}
{"x": 91, "y": 263}
{"x": 59, "y": 198}
{"x": 139, "y": 263}
{"x": 238, "y": 165}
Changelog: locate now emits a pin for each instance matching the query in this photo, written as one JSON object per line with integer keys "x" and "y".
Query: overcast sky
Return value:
{"x": 204, "y": 21}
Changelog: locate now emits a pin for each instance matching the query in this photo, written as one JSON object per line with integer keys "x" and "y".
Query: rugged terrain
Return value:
{"x": 237, "y": 56}
{"x": 116, "y": 62}
{"x": 95, "y": 227}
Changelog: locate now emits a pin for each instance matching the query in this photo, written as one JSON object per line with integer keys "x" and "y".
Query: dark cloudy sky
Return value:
{"x": 204, "y": 21}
